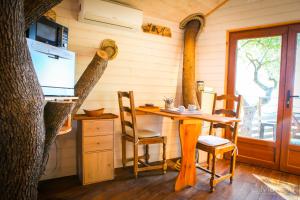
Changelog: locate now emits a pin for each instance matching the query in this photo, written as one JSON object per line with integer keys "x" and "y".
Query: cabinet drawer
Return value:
{"x": 98, "y": 166}
{"x": 96, "y": 143}
{"x": 96, "y": 127}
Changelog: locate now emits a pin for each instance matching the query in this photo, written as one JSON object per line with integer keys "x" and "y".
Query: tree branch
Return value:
{"x": 256, "y": 69}
{"x": 90, "y": 77}
{"x": 55, "y": 114}
{"x": 275, "y": 82}
{"x": 34, "y": 9}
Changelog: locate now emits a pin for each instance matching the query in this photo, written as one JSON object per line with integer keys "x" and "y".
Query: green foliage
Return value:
{"x": 263, "y": 54}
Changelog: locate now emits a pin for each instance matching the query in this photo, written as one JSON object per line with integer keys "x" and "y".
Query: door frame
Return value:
{"x": 286, "y": 147}
{"x": 265, "y": 153}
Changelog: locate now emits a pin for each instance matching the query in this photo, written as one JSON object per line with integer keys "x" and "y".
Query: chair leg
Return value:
{"x": 123, "y": 152}
{"x": 232, "y": 166}
{"x": 147, "y": 156}
{"x": 212, "y": 184}
{"x": 135, "y": 159}
{"x": 164, "y": 157}
{"x": 208, "y": 160}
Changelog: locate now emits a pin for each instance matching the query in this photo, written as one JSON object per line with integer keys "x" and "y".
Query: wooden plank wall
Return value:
{"x": 150, "y": 65}
{"x": 235, "y": 14}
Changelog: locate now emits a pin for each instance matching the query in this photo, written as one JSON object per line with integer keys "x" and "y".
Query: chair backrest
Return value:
{"x": 235, "y": 112}
{"x": 130, "y": 109}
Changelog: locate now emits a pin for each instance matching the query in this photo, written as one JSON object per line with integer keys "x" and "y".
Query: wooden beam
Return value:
{"x": 216, "y": 7}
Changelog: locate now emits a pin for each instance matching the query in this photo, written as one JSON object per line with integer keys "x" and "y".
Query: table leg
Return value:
{"x": 189, "y": 131}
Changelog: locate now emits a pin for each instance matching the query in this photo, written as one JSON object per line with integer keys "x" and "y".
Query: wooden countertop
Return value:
{"x": 205, "y": 117}
{"x": 103, "y": 116}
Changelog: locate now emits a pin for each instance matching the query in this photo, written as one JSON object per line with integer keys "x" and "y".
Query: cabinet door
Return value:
{"x": 98, "y": 166}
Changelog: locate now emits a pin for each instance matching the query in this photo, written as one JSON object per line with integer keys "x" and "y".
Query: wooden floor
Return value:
{"x": 250, "y": 183}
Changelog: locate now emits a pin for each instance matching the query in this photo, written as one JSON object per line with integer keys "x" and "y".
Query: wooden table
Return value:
{"x": 189, "y": 131}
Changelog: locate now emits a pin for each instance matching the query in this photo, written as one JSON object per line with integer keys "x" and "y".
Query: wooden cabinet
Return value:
{"x": 98, "y": 166}
{"x": 95, "y": 150}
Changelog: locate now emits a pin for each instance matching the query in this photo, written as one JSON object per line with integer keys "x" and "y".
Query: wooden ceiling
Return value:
{"x": 173, "y": 10}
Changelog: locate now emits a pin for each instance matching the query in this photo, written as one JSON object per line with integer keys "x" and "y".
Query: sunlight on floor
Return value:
{"x": 287, "y": 190}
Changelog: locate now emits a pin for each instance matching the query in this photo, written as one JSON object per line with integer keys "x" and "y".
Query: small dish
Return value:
{"x": 94, "y": 113}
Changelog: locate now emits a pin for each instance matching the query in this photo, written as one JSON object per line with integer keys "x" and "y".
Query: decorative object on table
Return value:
{"x": 94, "y": 113}
{"x": 169, "y": 102}
{"x": 215, "y": 145}
{"x": 191, "y": 25}
{"x": 110, "y": 47}
{"x": 156, "y": 29}
{"x": 51, "y": 15}
{"x": 138, "y": 137}
{"x": 182, "y": 112}
{"x": 181, "y": 108}
{"x": 192, "y": 107}
{"x": 200, "y": 86}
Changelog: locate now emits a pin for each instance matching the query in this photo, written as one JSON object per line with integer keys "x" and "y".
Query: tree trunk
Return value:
{"x": 55, "y": 114}
{"x": 21, "y": 105}
{"x": 35, "y": 8}
{"x": 28, "y": 124}
{"x": 90, "y": 77}
{"x": 192, "y": 24}
{"x": 22, "y": 128}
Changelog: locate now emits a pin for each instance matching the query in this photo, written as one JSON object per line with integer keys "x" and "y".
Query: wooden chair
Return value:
{"x": 215, "y": 145}
{"x": 145, "y": 137}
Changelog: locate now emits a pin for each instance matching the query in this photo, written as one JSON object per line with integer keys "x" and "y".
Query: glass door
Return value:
{"x": 290, "y": 148}
{"x": 257, "y": 64}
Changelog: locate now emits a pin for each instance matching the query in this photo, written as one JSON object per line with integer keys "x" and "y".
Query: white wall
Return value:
{"x": 150, "y": 65}
{"x": 211, "y": 44}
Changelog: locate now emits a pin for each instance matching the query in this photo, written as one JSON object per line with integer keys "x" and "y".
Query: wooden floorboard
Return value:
{"x": 250, "y": 183}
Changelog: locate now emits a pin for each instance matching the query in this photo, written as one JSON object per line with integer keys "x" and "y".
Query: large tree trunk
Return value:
{"x": 192, "y": 24}
{"x": 21, "y": 105}
{"x": 28, "y": 124}
{"x": 22, "y": 128}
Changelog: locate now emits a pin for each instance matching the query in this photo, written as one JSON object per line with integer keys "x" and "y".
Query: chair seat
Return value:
{"x": 214, "y": 144}
{"x": 144, "y": 133}
{"x": 211, "y": 140}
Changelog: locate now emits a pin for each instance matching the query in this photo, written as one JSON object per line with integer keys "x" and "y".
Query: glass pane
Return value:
{"x": 257, "y": 80}
{"x": 295, "y": 129}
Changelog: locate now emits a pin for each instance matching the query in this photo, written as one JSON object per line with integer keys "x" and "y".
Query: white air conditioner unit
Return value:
{"x": 108, "y": 13}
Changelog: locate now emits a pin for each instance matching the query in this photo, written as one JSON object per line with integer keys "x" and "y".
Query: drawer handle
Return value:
{"x": 98, "y": 142}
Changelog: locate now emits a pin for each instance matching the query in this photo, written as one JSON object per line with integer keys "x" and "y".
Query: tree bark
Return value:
{"x": 90, "y": 77}
{"x": 28, "y": 126}
{"x": 55, "y": 114}
{"x": 22, "y": 128}
{"x": 34, "y": 9}
{"x": 192, "y": 24}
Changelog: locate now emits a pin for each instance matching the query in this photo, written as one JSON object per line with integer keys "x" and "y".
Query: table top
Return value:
{"x": 204, "y": 116}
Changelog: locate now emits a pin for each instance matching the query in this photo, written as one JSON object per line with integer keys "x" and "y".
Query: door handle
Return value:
{"x": 288, "y": 98}
{"x": 53, "y": 56}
